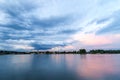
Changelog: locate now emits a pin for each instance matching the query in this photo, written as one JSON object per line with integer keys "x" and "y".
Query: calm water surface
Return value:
{"x": 60, "y": 67}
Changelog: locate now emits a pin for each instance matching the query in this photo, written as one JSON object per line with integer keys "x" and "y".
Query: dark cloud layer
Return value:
{"x": 23, "y": 26}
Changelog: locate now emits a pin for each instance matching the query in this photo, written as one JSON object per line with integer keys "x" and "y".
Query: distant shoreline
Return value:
{"x": 81, "y": 51}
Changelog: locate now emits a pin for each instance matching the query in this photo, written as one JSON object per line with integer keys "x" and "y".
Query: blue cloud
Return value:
{"x": 53, "y": 22}
{"x": 113, "y": 27}
{"x": 48, "y": 23}
{"x": 45, "y": 46}
{"x": 102, "y": 20}
{"x": 68, "y": 31}
{"x": 22, "y": 26}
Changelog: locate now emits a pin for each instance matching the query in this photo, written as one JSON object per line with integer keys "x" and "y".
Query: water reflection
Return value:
{"x": 90, "y": 66}
{"x": 95, "y": 66}
{"x": 19, "y": 62}
{"x": 60, "y": 67}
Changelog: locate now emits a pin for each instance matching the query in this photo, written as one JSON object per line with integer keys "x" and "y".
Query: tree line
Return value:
{"x": 80, "y": 51}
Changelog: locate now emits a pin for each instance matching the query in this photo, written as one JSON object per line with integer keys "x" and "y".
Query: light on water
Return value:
{"x": 60, "y": 67}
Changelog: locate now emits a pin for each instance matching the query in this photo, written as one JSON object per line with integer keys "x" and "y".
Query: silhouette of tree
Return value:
{"x": 82, "y": 51}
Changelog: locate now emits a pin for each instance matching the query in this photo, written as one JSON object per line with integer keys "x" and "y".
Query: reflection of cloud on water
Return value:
{"x": 21, "y": 61}
{"x": 88, "y": 66}
{"x": 96, "y": 66}
{"x": 56, "y": 58}
{"x": 21, "y": 58}
{"x": 72, "y": 60}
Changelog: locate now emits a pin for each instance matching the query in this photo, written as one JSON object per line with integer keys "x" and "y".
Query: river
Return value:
{"x": 60, "y": 67}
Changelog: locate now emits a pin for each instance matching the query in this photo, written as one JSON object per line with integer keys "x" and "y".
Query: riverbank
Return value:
{"x": 81, "y": 51}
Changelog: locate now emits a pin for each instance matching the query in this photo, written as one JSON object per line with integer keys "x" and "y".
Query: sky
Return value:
{"x": 59, "y": 25}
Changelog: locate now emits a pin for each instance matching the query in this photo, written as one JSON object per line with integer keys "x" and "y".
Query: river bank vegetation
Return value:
{"x": 80, "y": 51}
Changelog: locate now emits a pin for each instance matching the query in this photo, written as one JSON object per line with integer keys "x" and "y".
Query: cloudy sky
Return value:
{"x": 59, "y": 24}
